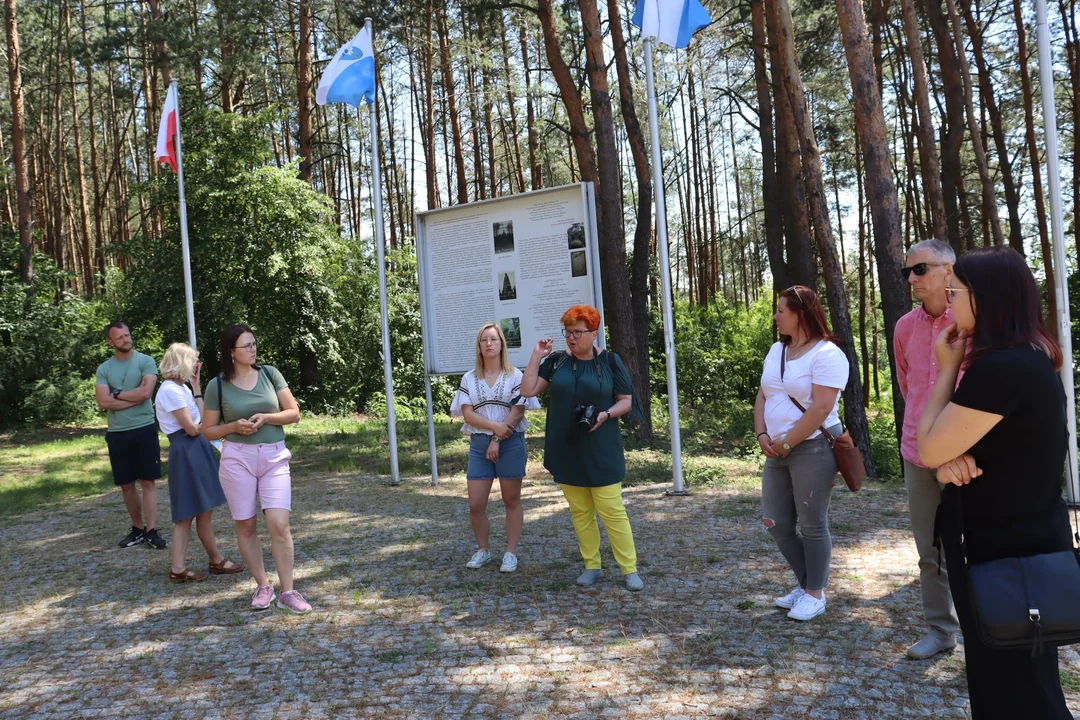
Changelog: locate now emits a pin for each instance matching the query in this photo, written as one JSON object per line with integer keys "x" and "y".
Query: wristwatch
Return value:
{"x": 496, "y": 438}
{"x": 116, "y": 393}
{"x": 786, "y": 446}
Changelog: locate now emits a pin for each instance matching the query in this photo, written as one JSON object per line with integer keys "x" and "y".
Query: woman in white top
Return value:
{"x": 796, "y": 484}
{"x": 194, "y": 490}
{"x": 489, "y": 399}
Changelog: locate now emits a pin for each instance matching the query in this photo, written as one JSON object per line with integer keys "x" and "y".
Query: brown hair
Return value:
{"x": 805, "y": 303}
{"x": 229, "y": 336}
{"x": 1006, "y": 302}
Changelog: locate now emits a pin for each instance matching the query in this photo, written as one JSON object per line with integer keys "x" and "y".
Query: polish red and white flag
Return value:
{"x": 166, "y": 137}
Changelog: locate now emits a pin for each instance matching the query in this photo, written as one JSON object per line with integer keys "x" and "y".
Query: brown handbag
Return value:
{"x": 849, "y": 460}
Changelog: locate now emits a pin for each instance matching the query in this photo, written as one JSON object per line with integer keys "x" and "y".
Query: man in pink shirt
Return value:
{"x": 929, "y": 266}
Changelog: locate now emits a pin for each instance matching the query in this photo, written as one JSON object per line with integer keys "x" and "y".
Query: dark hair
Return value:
{"x": 229, "y": 336}
{"x": 1006, "y": 302}
{"x": 805, "y": 303}
{"x": 115, "y": 324}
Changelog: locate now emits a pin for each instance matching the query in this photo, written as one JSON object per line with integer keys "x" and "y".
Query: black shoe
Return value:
{"x": 154, "y": 540}
{"x": 133, "y": 538}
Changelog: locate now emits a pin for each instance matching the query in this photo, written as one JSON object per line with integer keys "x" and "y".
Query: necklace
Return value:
{"x": 794, "y": 353}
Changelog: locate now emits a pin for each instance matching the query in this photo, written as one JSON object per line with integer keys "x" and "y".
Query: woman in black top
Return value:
{"x": 1000, "y": 440}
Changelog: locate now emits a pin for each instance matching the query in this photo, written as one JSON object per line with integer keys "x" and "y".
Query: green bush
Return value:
{"x": 50, "y": 344}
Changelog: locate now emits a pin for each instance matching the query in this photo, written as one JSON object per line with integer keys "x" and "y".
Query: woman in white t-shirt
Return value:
{"x": 489, "y": 399}
{"x": 194, "y": 490}
{"x": 796, "y": 484}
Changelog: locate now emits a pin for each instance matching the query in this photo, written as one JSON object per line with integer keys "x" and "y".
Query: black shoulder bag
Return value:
{"x": 1026, "y": 602}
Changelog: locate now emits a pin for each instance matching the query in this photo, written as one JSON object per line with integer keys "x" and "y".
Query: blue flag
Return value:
{"x": 672, "y": 22}
{"x": 350, "y": 76}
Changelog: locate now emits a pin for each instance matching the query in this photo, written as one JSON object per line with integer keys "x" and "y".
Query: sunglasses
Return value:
{"x": 950, "y": 292}
{"x": 918, "y": 268}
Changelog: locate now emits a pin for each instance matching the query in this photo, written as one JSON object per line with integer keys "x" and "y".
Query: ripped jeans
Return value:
{"x": 795, "y": 494}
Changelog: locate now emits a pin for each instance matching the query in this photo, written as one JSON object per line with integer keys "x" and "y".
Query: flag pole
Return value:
{"x": 380, "y": 259}
{"x": 183, "y": 224}
{"x": 665, "y": 274}
{"x": 1057, "y": 226}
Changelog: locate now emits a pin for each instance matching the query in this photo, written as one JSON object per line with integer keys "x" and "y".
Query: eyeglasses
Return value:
{"x": 490, "y": 341}
{"x": 576, "y": 334}
{"x": 950, "y": 292}
{"x": 249, "y": 346}
{"x": 918, "y": 268}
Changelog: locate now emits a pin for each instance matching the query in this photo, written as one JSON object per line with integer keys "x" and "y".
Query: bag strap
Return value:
{"x": 783, "y": 358}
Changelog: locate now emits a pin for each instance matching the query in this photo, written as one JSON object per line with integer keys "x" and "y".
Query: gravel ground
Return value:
{"x": 402, "y": 629}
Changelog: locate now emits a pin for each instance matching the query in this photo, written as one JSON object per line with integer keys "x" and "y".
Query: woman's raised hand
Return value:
{"x": 950, "y": 346}
{"x": 543, "y": 348}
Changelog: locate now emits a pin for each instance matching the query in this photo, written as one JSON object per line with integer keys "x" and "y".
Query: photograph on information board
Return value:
{"x": 576, "y": 236}
{"x": 507, "y": 286}
{"x": 577, "y": 264}
{"x": 504, "y": 237}
{"x": 511, "y": 328}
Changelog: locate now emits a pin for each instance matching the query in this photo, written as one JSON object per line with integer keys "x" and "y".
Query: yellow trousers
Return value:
{"x": 585, "y": 504}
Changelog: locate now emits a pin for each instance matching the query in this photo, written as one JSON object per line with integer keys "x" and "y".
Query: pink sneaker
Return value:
{"x": 262, "y": 598}
{"x": 294, "y": 602}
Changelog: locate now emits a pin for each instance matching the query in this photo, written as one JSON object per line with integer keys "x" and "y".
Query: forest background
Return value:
{"x": 805, "y": 141}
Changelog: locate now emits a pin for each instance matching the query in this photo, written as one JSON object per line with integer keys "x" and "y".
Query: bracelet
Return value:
{"x": 763, "y": 432}
{"x": 198, "y": 396}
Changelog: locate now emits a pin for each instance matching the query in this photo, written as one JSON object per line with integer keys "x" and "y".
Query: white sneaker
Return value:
{"x": 509, "y": 562}
{"x": 807, "y": 607}
{"x": 788, "y": 601}
{"x": 479, "y": 559}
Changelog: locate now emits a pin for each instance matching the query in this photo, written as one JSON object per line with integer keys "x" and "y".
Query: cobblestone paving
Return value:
{"x": 402, "y": 629}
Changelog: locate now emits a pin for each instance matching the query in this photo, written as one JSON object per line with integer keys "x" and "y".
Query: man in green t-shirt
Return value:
{"x": 125, "y": 384}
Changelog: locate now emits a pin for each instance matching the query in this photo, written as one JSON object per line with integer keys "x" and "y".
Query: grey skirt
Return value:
{"x": 193, "y": 476}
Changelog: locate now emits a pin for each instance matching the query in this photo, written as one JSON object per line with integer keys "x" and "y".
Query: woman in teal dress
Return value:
{"x": 589, "y": 390}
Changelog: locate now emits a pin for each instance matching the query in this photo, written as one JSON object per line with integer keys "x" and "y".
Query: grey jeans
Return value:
{"x": 924, "y": 496}
{"x": 795, "y": 495}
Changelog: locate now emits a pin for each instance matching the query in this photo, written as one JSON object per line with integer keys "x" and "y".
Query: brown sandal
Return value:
{"x": 221, "y": 569}
{"x": 186, "y": 577}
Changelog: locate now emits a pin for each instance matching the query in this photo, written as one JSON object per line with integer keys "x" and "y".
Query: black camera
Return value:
{"x": 585, "y": 417}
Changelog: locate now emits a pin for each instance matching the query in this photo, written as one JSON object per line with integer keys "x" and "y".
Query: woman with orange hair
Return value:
{"x": 583, "y": 450}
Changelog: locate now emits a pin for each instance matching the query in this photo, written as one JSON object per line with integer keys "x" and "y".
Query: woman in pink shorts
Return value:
{"x": 246, "y": 406}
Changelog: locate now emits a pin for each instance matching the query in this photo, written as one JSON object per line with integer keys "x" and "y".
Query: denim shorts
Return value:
{"x": 511, "y": 462}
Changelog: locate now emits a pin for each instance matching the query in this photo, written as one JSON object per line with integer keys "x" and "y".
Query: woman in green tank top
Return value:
{"x": 246, "y": 407}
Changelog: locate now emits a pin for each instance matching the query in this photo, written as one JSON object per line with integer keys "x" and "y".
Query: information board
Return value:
{"x": 519, "y": 261}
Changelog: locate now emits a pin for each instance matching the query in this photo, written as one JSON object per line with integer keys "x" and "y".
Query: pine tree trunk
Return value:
{"x": 880, "y": 190}
{"x": 988, "y": 196}
{"x": 952, "y": 126}
{"x": 990, "y": 108}
{"x": 579, "y": 130}
{"x": 303, "y": 91}
{"x": 789, "y": 163}
{"x": 854, "y": 412}
{"x": 511, "y": 104}
{"x": 1036, "y": 167}
{"x": 924, "y": 130}
{"x": 639, "y": 270}
{"x": 86, "y": 247}
{"x": 770, "y": 194}
{"x": 618, "y": 306}
{"x": 536, "y": 170}
{"x": 451, "y": 100}
{"x": 18, "y": 146}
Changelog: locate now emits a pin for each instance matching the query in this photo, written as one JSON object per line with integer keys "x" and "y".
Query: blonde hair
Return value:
{"x": 179, "y": 362}
{"x": 504, "y": 359}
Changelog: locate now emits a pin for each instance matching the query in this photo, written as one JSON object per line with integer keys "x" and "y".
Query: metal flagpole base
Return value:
{"x": 677, "y": 493}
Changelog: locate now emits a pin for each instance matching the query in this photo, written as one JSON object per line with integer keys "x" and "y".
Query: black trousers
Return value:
{"x": 1005, "y": 684}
